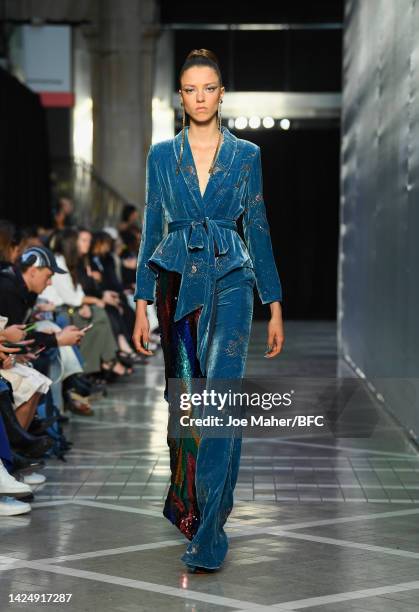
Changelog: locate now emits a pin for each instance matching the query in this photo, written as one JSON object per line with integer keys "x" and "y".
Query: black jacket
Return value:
{"x": 17, "y": 302}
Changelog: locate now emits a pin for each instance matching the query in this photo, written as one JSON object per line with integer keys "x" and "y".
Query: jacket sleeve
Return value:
{"x": 257, "y": 236}
{"x": 152, "y": 232}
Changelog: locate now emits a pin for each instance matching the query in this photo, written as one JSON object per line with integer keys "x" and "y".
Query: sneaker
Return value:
{"x": 9, "y": 485}
{"x": 25, "y": 465}
{"x": 34, "y": 479}
{"x": 9, "y": 506}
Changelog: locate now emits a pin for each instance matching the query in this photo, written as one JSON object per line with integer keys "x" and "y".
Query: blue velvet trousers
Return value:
{"x": 205, "y": 467}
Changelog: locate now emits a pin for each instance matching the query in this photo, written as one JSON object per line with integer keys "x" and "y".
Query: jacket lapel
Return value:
{"x": 187, "y": 169}
{"x": 222, "y": 166}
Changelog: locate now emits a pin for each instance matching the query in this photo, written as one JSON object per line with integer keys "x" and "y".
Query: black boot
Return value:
{"x": 19, "y": 438}
{"x": 25, "y": 465}
{"x": 38, "y": 426}
{"x": 78, "y": 383}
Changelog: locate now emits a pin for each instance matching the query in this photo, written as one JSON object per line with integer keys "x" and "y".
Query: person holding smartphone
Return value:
{"x": 27, "y": 383}
{"x": 19, "y": 287}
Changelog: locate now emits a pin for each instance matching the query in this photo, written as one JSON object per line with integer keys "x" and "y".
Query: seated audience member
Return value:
{"x": 19, "y": 438}
{"x": 63, "y": 212}
{"x": 101, "y": 261}
{"x": 131, "y": 239}
{"x": 99, "y": 348}
{"x": 27, "y": 383}
{"x": 9, "y": 486}
{"x": 129, "y": 254}
{"x": 9, "y": 243}
{"x": 30, "y": 236}
{"x": 19, "y": 287}
{"x": 129, "y": 218}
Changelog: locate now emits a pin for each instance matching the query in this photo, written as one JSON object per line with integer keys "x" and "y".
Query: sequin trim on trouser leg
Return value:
{"x": 179, "y": 344}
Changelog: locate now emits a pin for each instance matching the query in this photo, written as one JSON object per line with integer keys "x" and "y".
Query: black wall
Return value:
{"x": 301, "y": 191}
{"x": 289, "y": 60}
{"x": 24, "y": 162}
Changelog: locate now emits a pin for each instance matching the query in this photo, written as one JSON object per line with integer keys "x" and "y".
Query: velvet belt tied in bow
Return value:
{"x": 199, "y": 273}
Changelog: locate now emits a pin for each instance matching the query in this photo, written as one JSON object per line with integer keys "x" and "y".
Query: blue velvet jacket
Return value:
{"x": 202, "y": 242}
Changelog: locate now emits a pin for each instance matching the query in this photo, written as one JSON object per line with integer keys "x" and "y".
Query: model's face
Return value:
{"x": 200, "y": 93}
{"x": 83, "y": 242}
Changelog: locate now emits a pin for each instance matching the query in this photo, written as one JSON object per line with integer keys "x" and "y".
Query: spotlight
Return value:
{"x": 231, "y": 123}
{"x": 254, "y": 122}
{"x": 285, "y": 124}
{"x": 268, "y": 122}
{"x": 240, "y": 123}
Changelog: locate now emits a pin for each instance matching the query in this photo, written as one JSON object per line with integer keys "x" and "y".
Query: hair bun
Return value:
{"x": 202, "y": 53}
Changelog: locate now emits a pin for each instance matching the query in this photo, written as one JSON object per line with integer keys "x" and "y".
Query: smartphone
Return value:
{"x": 85, "y": 329}
{"x": 21, "y": 344}
{"x": 39, "y": 350}
{"x": 23, "y": 348}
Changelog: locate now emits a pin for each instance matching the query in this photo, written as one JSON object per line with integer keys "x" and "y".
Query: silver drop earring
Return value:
{"x": 182, "y": 144}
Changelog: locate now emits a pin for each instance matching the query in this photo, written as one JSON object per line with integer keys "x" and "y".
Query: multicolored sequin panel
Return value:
{"x": 179, "y": 344}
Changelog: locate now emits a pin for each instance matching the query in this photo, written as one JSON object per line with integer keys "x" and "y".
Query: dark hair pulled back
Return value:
{"x": 201, "y": 57}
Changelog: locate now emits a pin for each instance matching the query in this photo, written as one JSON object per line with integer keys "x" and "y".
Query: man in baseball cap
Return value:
{"x": 19, "y": 287}
{"x": 40, "y": 257}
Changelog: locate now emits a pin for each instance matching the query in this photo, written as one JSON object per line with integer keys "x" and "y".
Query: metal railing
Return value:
{"x": 96, "y": 203}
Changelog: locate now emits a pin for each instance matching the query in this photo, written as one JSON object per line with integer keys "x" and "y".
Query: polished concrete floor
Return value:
{"x": 327, "y": 523}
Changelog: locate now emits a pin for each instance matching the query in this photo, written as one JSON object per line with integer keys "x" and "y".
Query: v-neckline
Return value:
{"x": 194, "y": 164}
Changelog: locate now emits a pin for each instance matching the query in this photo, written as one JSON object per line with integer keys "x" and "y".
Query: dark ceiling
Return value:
{"x": 219, "y": 11}
{"x": 300, "y": 59}
{"x": 290, "y": 60}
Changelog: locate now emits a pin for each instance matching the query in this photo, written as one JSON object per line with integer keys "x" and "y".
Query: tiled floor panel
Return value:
{"x": 321, "y": 523}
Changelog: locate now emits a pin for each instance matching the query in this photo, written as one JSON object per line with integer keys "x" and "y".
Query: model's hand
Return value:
{"x": 141, "y": 334}
{"x": 276, "y": 336}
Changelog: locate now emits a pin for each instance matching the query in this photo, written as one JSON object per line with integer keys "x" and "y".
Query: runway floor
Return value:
{"x": 322, "y": 522}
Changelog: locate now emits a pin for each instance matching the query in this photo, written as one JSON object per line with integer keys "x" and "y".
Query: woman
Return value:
{"x": 129, "y": 218}
{"x": 99, "y": 347}
{"x": 98, "y": 278}
{"x": 203, "y": 275}
{"x": 9, "y": 243}
{"x": 131, "y": 243}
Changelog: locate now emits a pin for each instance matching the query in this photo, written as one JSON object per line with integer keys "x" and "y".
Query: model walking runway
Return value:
{"x": 201, "y": 274}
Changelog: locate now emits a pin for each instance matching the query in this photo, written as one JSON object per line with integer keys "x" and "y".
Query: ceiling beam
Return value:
{"x": 253, "y": 26}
